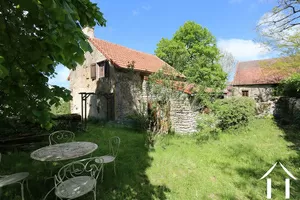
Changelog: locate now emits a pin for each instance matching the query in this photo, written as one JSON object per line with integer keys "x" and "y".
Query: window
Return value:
{"x": 103, "y": 69}
{"x": 245, "y": 93}
{"x": 93, "y": 71}
{"x": 100, "y": 69}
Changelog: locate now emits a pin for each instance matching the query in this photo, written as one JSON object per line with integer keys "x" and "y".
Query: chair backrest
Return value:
{"x": 85, "y": 167}
{"x": 114, "y": 144}
{"x": 61, "y": 136}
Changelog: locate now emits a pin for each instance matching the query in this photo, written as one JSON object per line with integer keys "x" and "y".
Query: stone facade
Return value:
{"x": 123, "y": 87}
{"x": 121, "y": 94}
{"x": 261, "y": 93}
{"x": 80, "y": 81}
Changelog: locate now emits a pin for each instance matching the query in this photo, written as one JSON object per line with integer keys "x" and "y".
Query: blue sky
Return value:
{"x": 141, "y": 24}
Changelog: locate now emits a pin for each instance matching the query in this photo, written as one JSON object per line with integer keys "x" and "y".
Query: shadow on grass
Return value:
{"x": 132, "y": 162}
{"x": 292, "y": 135}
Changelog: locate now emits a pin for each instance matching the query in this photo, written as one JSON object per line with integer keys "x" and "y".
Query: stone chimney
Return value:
{"x": 88, "y": 31}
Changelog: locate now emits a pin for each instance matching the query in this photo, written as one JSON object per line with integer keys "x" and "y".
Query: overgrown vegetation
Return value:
{"x": 178, "y": 168}
{"x": 208, "y": 127}
{"x": 234, "y": 112}
{"x": 290, "y": 87}
{"x": 163, "y": 86}
{"x": 36, "y": 36}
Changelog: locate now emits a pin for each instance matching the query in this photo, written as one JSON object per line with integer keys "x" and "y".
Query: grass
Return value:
{"x": 180, "y": 168}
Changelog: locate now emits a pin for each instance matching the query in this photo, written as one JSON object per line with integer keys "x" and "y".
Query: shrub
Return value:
{"x": 139, "y": 120}
{"x": 234, "y": 112}
{"x": 290, "y": 87}
{"x": 208, "y": 126}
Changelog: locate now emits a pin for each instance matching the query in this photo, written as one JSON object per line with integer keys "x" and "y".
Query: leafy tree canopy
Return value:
{"x": 193, "y": 52}
{"x": 35, "y": 36}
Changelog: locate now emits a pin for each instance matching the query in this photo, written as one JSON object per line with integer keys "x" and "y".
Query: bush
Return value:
{"x": 208, "y": 126}
{"x": 234, "y": 112}
{"x": 140, "y": 121}
{"x": 290, "y": 87}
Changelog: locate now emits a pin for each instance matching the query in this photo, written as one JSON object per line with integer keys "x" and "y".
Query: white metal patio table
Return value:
{"x": 63, "y": 151}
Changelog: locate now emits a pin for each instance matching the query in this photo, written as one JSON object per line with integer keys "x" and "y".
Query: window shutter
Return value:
{"x": 93, "y": 71}
{"x": 106, "y": 69}
{"x": 101, "y": 69}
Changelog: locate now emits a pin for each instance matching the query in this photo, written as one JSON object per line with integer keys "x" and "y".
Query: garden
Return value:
{"x": 225, "y": 160}
{"x": 235, "y": 143}
{"x": 178, "y": 167}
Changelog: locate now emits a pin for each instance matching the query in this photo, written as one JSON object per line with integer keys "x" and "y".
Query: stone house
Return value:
{"x": 257, "y": 79}
{"x": 118, "y": 76}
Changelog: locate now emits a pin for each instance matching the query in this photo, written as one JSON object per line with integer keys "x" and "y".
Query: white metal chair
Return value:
{"x": 19, "y": 178}
{"x": 61, "y": 136}
{"x": 114, "y": 144}
{"x": 78, "y": 178}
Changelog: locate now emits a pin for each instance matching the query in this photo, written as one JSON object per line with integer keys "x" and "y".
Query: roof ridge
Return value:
{"x": 125, "y": 47}
{"x": 259, "y": 60}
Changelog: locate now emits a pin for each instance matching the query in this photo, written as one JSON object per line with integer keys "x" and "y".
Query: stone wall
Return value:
{"x": 182, "y": 116}
{"x": 261, "y": 93}
{"x": 128, "y": 94}
{"x": 288, "y": 110}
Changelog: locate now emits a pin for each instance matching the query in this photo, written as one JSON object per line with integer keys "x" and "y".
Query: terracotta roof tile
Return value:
{"x": 259, "y": 72}
{"x": 122, "y": 56}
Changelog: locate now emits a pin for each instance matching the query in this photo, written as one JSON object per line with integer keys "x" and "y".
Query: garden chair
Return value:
{"x": 61, "y": 136}
{"x": 19, "y": 178}
{"x": 58, "y": 137}
{"x": 114, "y": 144}
{"x": 78, "y": 178}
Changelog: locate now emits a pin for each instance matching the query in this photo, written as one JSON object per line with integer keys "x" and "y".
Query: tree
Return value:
{"x": 193, "y": 52}
{"x": 35, "y": 37}
{"x": 284, "y": 16}
{"x": 227, "y": 61}
{"x": 280, "y": 27}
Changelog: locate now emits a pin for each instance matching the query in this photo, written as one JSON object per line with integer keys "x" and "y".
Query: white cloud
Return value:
{"x": 244, "y": 50}
{"x": 146, "y": 7}
{"x": 61, "y": 77}
{"x": 135, "y": 12}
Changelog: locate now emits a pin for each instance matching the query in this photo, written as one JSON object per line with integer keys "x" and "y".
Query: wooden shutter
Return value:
{"x": 106, "y": 69}
{"x": 93, "y": 71}
{"x": 101, "y": 69}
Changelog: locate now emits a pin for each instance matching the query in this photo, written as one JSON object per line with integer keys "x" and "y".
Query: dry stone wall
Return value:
{"x": 288, "y": 110}
{"x": 183, "y": 118}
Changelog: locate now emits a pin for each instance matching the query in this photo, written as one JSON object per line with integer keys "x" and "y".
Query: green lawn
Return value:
{"x": 179, "y": 168}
